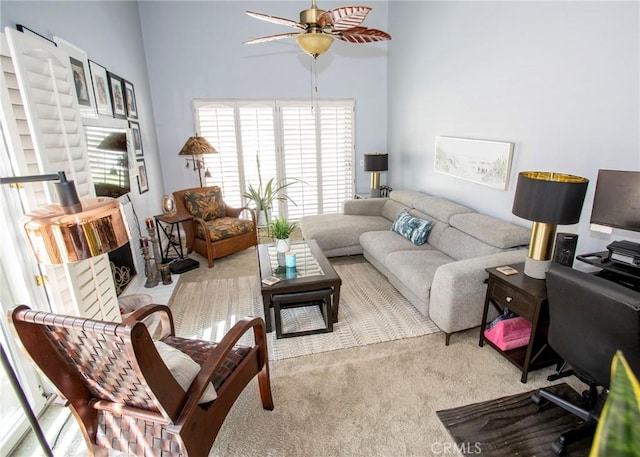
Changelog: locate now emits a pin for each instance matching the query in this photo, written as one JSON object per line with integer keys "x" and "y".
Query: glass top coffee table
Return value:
{"x": 312, "y": 272}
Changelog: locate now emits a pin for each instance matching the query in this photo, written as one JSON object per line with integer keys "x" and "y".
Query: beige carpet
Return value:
{"x": 376, "y": 400}
{"x": 371, "y": 311}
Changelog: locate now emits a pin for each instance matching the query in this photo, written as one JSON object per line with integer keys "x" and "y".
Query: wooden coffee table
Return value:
{"x": 312, "y": 272}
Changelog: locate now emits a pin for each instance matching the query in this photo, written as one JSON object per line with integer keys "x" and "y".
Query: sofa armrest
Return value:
{"x": 458, "y": 290}
{"x": 364, "y": 206}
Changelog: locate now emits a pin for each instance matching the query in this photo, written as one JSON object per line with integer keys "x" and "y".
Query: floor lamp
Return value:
{"x": 548, "y": 199}
{"x": 62, "y": 233}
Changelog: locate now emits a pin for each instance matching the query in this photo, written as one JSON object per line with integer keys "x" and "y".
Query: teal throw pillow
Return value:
{"x": 412, "y": 228}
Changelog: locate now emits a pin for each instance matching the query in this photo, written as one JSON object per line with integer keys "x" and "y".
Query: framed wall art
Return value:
{"x": 137, "y": 138}
{"x": 483, "y": 162}
{"x": 116, "y": 87}
{"x": 143, "y": 183}
{"x": 100, "y": 88}
{"x": 130, "y": 99}
{"x": 82, "y": 84}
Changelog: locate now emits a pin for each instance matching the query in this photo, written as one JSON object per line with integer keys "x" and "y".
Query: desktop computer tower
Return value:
{"x": 565, "y": 248}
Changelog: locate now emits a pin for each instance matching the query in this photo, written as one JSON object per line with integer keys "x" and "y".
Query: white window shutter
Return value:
{"x": 57, "y": 143}
{"x": 311, "y": 148}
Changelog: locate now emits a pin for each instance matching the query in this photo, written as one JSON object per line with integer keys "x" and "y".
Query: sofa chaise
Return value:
{"x": 444, "y": 278}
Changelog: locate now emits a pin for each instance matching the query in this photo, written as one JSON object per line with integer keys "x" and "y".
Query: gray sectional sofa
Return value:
{"x": 443, "y": 278}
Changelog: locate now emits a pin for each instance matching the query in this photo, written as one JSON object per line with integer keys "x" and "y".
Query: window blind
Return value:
{"x": 310, "y": 146}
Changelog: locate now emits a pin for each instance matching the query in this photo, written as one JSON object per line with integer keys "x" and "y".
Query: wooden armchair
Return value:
{"x": 216, "y": 229}
{"x": 121, "y": 392}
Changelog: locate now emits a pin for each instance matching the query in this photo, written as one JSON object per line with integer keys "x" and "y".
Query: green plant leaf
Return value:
{"x": 618, "y": 432}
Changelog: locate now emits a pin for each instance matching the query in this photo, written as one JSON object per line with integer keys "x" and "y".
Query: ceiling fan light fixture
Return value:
{"x": 314, "y": 43}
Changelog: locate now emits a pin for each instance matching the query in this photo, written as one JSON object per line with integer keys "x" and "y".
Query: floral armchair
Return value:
{"x": 217, "y": 230}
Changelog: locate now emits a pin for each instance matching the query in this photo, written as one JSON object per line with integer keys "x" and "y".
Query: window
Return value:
{"x": 292, "y": 140}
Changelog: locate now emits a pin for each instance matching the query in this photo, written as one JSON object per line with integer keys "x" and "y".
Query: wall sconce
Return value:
{"x": 548, "y": 199}
{"x": 196, "y": 146}
{"x": 375, "y": 163}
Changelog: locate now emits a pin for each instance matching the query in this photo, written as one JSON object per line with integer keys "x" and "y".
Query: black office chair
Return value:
{"x": 590, "y": 318}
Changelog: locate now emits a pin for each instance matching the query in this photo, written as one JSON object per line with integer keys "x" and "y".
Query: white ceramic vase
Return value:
{"x": 262, "y": 218}
{"x": 283, "y": 246}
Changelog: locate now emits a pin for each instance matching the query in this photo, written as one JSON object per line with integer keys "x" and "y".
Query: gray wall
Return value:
{"x": 559, "y": 79}
{"x": 195, "y": 50}
{"x": 110, "y": 34}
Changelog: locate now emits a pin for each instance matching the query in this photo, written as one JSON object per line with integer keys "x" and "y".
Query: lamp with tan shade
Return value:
{"x": 196, "y": 146}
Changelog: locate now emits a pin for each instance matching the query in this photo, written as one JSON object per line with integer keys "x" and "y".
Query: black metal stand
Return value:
{"x": 17, "y": 388}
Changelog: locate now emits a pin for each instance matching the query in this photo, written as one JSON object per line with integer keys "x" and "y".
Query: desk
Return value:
{"x": 167, "y": 224}
{"x": 627, "y": 275}
{"x": 527, "y": 297}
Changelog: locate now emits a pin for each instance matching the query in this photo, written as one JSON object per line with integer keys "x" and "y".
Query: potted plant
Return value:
{"x": 263, "y": 197}
{"x": 281, "y": 230}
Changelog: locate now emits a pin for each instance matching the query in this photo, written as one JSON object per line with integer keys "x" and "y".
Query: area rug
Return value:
{"x": 371, "y": 311}
{"x": 513, "y": 425}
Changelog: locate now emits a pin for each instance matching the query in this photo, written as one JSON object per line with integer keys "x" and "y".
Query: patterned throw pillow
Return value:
{"x": 206, "y": 205}
{"x": 412, "y": 228}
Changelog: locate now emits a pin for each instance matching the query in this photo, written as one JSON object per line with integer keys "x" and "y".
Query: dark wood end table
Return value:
{"x": 526, "y": 297}
{"x": 313, "y": 272}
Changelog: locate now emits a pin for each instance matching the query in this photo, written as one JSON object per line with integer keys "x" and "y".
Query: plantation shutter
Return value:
{"x": 301, "y": 153}
{"x": 337, "y": 155}
{"x": 57, "y": 143}
{"x": 314, "y": 153}
{"x": 217, "y": 123}
{"x": 257, "y": 137}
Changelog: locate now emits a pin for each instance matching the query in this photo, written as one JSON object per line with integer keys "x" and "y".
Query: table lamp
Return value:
{"x": 68, "y": 232}
{"x": 196, "y": 146}
{"x": 548, "y": 199}
{"x": 375, "y": 163}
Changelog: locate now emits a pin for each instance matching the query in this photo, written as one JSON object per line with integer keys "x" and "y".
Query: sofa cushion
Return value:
{"x": 406, "y": 197}
{"x": 495, "y": 232}
{"x": 438, "y": 207}
{"x": 225, "y": 227}
{"x": 207, "y": 204}
{"x": 380, "y": 244}
{"x": 392, "y": 208}
{"x": 458, "y": 245}
{"x": 416, "y": 269}
{"x": 412, "y": 228}
{"x": 333, "y": 231}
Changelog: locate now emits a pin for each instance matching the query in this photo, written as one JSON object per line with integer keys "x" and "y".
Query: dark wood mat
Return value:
{"x": 513, "y": 426}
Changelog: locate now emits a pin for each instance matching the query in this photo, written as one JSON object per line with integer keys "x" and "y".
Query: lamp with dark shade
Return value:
{"x": 197, "y": 146}
{"x": 548, "y": 199}
{"x": 375, "y": 163}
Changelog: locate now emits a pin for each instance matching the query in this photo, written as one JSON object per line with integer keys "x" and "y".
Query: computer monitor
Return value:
{"x": 616, "y": 202}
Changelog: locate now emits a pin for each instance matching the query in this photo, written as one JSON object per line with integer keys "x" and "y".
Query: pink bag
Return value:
{"x": 509, "y": 333}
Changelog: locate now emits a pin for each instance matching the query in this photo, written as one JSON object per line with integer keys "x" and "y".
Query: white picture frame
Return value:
{"x": 81, "y": 80}
{"x": 101, "y": 88}
{"x": 479, "y": 161}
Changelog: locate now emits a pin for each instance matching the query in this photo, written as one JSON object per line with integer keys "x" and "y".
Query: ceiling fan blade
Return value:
{"x": 277, "y": 20}
{"x": 362, "y": 35}
{"x": 264, "y": 39}
{"x": 344, "y": 18}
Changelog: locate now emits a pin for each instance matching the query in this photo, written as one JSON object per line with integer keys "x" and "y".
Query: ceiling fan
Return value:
{"x": 318, "y": 28}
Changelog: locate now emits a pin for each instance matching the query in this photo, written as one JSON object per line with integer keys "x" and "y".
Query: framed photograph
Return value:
{"x": 130, "y": 99}
{"x": 100, "y": 88}
{"x": 116, "y": 87}
{"x": 137, "y": 138}
{"x": 143, "y": 183}
{"x": 483, "y": 162}
{"x": 82, "y": 86}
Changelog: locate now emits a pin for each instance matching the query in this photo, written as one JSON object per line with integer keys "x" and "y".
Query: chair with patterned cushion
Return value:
{"x": 129, "y": 393}
{"x": 217, "y": 230}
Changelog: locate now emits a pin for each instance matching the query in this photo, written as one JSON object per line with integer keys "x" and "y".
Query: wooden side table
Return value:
{"x": 526, "y": 297}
